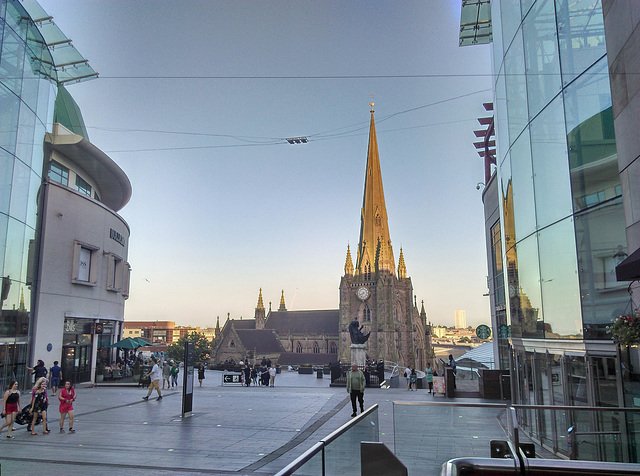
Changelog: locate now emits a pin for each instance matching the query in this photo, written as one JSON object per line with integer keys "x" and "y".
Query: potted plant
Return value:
{"x": 625, "y": 330}
{"x": 100, "y": 372}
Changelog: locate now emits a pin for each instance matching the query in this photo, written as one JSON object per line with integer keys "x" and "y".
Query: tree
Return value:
{"x": 203, "y": 347}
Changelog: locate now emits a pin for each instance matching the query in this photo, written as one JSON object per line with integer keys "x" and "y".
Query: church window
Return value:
{"x": 334, "y": 348}
{"x": 232, "y": 344}
{"x": 367, "y": 271}
{"x": 366, "y": 315}
{"x": 378, "y": 220}
{"x": 316, "y": 348}
{"x": 299, "y": 348}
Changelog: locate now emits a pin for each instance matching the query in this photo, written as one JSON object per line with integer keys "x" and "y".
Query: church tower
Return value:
{"x": 260, "y": 312}
{"x": 372, "y": 292}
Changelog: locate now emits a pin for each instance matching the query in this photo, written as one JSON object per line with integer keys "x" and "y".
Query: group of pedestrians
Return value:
{"x": 35, "y": 411}
{"x": 259, "y": 375}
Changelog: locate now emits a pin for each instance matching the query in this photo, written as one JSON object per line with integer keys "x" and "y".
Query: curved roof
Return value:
{"x": 113, "y": 183}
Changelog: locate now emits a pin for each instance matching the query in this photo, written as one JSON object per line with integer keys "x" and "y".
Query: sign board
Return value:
{"x": 483, "y": 331}
{"x": 504, "y": 331}
{"x": 438, "y": 386}
{"x": 231, "y": 378}
{"x": 187, "y": 383}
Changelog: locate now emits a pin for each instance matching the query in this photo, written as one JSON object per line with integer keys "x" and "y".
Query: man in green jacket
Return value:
{"x": 355, "y": 388}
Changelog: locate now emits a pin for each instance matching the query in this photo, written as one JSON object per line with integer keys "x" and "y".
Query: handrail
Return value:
{"x": 320, "y": 445}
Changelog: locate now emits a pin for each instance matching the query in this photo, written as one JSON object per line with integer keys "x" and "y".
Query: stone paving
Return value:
{"x": 232, "y": 430}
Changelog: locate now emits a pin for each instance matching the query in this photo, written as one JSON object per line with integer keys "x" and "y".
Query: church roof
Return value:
{"x": 301, "y": 322}
{"x": 263, "y": 341}
{"x": 243, "y": 323}
{"x": 293, "y": 358}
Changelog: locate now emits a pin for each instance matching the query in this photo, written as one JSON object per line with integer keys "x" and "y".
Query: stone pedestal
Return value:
{"x": 359, "y": 354}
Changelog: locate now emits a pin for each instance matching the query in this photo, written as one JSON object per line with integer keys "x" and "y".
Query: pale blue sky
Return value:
{"x": 194, "y": 100}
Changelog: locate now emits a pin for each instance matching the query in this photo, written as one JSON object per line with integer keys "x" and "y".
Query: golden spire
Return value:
{"x": 260, "y": 304}
{"x": 402, "y": 269}
{"x": 22, "y": 308}
{"x": 282, "y": 305}
{"x": 348, "y": 265}
{"x": 375, "y": 243}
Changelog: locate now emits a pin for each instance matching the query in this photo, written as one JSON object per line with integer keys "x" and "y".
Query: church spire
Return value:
{"x": 402, "y": 269}
{"x": 348, "y": 265}
{"x": 260, "y": 304}
{"x": 374, "y": 247}
{"x": 282, "y": 305}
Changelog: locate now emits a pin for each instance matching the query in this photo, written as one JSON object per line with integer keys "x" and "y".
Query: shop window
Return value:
{"x": 82, "y": 186}
{"x": 115, "y": 273}
{"x": 59, "y": 173}
{"x": 85, "y": 264}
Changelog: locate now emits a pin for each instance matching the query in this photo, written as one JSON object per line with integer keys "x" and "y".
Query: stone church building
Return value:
{"x": 375, "y": 292}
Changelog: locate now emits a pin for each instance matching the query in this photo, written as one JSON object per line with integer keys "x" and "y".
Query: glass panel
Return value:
{"x": 559, "y": 278}
{"x": 58, "y": 173}
{"x": 501, "y": 120}
{"x": 522, "y": 175}
{"x": 19, "y": 191}
{"x": 10, "y": 107}
{"x": 528, "y": 295}
{"x": 510, "y": 16}
{"x": 601, "y": 239}
{"x": 4, "y": 221}
{"x": 338, "y": 454}
{"x": 6, "y": 172}
{"x": 82, "y": 186}
{"x": 541, "y": 56}
{"x": 15, "y": 249}
{"x": 580, "y": 34}
{"x": 516, "y": 87}
{"x": 591, "y": 138}
{"x": 12, "y": 61}
{"x": 550, "y": 165}
{"x": 32, "y": 200}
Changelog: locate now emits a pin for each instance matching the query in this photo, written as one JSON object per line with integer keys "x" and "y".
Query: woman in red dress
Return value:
{"x": 10, "y": 407}
{"x": 67, "y": 396}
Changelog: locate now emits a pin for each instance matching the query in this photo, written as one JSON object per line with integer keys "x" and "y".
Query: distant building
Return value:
{"x": 460, "y": 319}
{"x": 160, "y": 332}
{"x": 439, "y": 331}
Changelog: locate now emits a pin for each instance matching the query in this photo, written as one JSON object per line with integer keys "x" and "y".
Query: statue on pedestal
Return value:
{"x": 355, "y": 331}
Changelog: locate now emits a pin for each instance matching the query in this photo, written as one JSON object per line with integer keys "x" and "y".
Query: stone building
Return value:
{"x": 372, "y": 292}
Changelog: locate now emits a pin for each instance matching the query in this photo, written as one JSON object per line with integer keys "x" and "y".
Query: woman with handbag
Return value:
{"x": 67, "y": 397}
{"x": 39, "y": 405}
{"x": 10, "y": 407}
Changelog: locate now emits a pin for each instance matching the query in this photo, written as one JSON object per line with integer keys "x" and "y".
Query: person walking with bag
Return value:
{"x": 10, "y": 407}
{"x": 67, "y": 397}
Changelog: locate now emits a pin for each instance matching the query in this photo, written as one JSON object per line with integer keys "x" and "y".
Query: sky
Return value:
{"x": 194, "y": 101}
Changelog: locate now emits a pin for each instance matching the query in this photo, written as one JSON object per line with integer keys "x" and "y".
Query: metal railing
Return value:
{"x": 335, "y": 453}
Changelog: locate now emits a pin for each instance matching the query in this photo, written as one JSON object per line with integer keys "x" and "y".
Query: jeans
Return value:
{"x": 360, "y": 396}
{"x": 174, "y": 380}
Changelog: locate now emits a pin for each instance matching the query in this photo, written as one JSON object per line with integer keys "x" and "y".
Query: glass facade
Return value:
{"x": 26, "y": 105}
{"x": 562, "y": 225}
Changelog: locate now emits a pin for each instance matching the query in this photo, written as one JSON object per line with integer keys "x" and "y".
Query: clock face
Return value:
{"x": 362, "y": 293}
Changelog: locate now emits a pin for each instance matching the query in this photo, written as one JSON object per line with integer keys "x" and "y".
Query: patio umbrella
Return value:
{"x": 141, "y": 341}
{"x": 126, "y": 343}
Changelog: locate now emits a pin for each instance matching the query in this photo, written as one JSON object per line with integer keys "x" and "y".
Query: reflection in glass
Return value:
{"x": 541, "y": 55}
{"x": 527, "y": 298}
{"x": 580, "y": 34}
{"x": 559, "y": 280}
{"x": 550, "y": 165}
{"x": 516, "y": 87}
{"x": 522, "y": 176}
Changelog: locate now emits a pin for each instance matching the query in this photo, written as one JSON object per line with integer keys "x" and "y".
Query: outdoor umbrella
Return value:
{"x": 127, "y": 343}
{"x": 141, "y": 341}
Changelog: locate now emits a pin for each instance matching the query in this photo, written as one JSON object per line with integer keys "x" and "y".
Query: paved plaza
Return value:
{"x": 232, "y": 430}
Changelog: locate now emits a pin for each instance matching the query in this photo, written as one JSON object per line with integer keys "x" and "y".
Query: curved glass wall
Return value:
{"x": 26, "y": 105}
{"x": 563, "y": 222}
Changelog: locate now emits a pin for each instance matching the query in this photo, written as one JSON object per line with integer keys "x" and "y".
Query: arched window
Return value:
{"x": 366, "y": 315}
{"x": 232, "y": 344}
{"x": 316, "y": 348}
{"x": 299, "y": 348}
{"x": 334, "y": 348}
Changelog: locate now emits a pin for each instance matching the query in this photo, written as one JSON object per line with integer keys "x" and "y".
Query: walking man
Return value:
{"x": 155, "y": 376}
{"x": 55, "y": 374}
{"x": 355, "y": 388}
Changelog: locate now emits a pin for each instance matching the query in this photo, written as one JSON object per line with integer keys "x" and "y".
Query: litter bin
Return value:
{"x": 319, "y": 373}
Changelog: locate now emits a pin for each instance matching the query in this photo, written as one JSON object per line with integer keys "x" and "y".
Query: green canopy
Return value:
{"x": 141, "y": 341}
{"x": 127, "y": 343}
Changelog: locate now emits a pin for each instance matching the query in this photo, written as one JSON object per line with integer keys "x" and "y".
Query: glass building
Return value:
{"x": 30, "y": 73}
{"x": 559, "y": 228}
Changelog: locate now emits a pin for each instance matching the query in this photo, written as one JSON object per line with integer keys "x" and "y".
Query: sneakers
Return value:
{"x": 71, "y": 430}
{"x": 159, "y": 398}
{"x": 61, "y": 430}
{"x": 145, "y": 398}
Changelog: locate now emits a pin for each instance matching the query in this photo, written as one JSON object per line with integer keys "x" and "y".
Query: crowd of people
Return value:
{"x": 34, "y": 412}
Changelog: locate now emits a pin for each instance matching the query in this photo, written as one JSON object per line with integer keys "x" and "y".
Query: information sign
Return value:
{"x": 231, "y": 378}
{"x": 187, "y": 383}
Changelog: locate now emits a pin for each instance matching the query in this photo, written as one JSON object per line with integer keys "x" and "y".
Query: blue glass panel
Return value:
{"x": 19, "y": 191}
{"x": 6, "y": 173}
{"x": 10, "y": 107}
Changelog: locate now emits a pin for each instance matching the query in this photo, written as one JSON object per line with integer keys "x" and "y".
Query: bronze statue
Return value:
{"x": 355, "y": 331}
